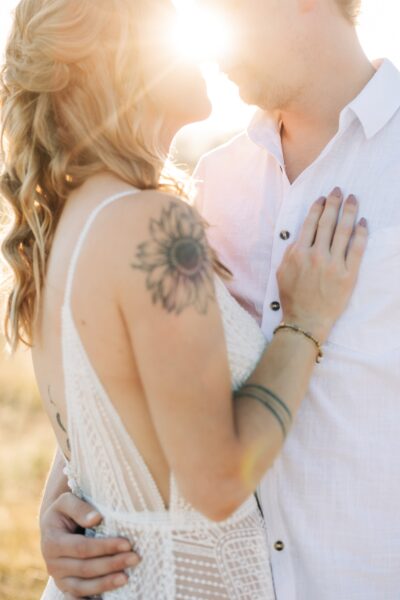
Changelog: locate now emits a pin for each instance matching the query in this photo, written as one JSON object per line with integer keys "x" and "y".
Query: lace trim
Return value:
{"x": 187, "y": 520}
{"x": 72, "y": 478}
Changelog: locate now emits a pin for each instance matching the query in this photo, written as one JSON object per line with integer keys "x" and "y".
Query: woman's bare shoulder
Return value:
{"x": 144, "y": 227}
{"x": 136, "y": 212}
{"x": 152, "y": 215}
{"x": 145, "y": 204}
{"x": 163, "y": 245}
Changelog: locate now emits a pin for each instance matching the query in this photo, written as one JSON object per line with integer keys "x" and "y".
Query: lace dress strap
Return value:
{"x": 82, "y": 237}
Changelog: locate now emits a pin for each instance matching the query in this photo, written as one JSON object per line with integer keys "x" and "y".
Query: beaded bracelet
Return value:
{"x": 308, "y": 335}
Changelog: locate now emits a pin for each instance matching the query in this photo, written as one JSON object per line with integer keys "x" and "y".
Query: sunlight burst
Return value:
{"x": 199, "y": 33}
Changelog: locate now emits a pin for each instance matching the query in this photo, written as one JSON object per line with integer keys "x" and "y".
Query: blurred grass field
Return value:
{"x": 26, "y": 448}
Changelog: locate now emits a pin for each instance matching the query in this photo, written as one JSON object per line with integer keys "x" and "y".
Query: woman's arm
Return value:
{"x": 219, "y": 445}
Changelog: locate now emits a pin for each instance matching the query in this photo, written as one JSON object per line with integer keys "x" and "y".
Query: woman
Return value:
{"x": 166, "y": 404}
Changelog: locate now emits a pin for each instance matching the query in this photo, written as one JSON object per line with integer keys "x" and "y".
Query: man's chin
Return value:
{"x": 252, "y": 92}
{"x": 255, "y": 97}
{"x": 249, "y": 96}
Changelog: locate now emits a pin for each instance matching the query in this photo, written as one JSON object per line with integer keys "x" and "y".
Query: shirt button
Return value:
{"x": 284, "y": 235}
{"x": 275, "y": 306}
{"x": 279, "y": 546}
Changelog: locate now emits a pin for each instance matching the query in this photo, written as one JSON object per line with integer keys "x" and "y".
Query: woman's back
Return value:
{"x": 98, "y": 322}
{"x": 184, "y": 554}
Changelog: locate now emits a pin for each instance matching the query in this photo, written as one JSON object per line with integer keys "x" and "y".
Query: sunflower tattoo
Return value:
{"x": 177, "y": 261}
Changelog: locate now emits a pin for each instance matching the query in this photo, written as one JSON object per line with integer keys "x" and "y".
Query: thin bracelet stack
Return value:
{"x": 307, "y": 334}
{"x": 270, "y": 401}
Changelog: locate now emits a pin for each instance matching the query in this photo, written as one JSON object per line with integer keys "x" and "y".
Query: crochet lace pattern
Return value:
{"x": 185, "y": 556}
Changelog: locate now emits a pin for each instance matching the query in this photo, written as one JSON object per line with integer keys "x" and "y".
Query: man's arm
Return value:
{"x": 80, "y": 566}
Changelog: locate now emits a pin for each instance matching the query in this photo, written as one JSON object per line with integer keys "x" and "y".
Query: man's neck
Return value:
{"x": 311, "y": 121}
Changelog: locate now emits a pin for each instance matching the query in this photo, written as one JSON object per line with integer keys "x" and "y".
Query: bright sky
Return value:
{"x": 379, "y": 33}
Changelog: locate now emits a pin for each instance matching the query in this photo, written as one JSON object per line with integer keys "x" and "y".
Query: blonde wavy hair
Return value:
{"x": 73, "y": 103}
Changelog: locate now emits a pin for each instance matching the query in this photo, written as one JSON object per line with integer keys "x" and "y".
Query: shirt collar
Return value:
{"x": 264, "y": 130}
{"x": 373, "y": 107}
{"x": 379, "y": 100}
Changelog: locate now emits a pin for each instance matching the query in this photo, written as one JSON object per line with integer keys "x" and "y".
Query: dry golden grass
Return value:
{"x": 26, "y": 448}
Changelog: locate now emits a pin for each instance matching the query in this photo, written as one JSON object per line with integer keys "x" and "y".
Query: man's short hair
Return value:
{"x": 350, "y": 9}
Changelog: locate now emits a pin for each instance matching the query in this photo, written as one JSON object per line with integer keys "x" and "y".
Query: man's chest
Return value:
{"x": 254, "y": 218}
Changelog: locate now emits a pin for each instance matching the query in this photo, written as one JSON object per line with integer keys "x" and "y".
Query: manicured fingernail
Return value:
{"x": 363, "y": 222}
{"x": 94, "y": 515}
{"x": 337, "y": 192}
{"x": 321, "y": 201}
{"x": 352, "y": 199}
{"x": 120, "y": 580}
{"x": 124, "y": 546}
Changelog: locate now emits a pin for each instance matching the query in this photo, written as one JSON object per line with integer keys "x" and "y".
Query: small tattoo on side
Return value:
{"x": 58, "y": 417}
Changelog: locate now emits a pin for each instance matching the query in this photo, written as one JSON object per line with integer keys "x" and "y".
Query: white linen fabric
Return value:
{"x": 184, "y": 555}
{"x": 332, "y": 498}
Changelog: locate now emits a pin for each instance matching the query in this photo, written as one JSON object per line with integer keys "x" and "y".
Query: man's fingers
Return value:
{"x": 81, "y": 588}
{"x": 309, "y": 229}
{"x": 78, "y": 546}
{"x": 95, "y": 567}
{"x": 357, "y": 247}
{"x": 328, "y": 221}
{"x": 345, "y": 228}
{"x": 78, "y": 510}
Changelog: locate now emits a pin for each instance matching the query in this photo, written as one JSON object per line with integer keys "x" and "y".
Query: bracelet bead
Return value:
{"x": 307, "y": 334}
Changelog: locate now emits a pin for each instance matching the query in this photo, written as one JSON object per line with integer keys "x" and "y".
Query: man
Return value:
{"x": 328, "y": 117}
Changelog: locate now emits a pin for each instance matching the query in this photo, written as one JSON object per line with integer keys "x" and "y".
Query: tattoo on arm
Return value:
{"x": 177, "y": 261}
{"x": 270, "y": 401}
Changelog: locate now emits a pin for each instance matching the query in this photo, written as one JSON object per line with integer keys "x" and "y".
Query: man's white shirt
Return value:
{"x": 332, "y": 500}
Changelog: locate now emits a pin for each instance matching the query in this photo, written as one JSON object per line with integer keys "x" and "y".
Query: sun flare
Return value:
{"x": 199, "y": 33}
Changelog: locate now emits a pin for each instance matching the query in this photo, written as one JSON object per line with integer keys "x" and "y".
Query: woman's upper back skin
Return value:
{"x": 97, "y": 318}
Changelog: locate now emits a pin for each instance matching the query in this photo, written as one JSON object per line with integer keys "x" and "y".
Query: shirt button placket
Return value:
{"x": 271, "y": 301}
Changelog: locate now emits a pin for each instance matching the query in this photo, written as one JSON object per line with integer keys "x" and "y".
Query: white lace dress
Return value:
{"x": 184, "y": 555}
